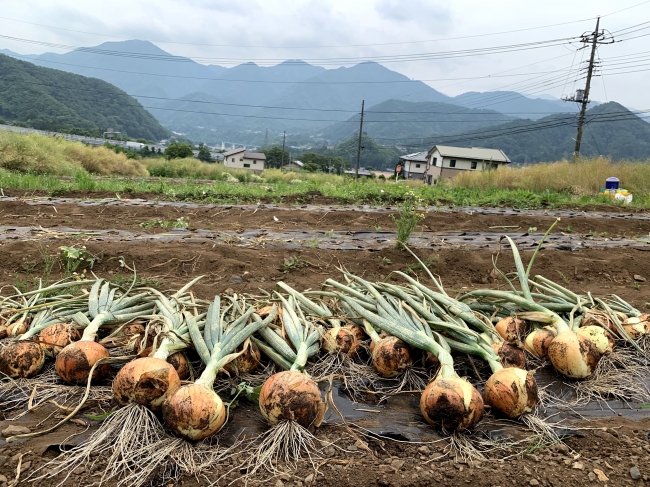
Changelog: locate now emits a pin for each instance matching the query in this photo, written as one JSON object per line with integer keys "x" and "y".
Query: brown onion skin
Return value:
{"x": 18, "y": 328}
{"x": 573, "y": 355}
{"x": 246, "y": 363}
{"x": 179, "y": 361}
{"x": 291, "y": 396}
{"x": 452, "y": 404}
{"x": 391, "y": 356}
{"x": 74, "y": 362}
{"x": 148, "y": 381}
{"x": 510, "y": 354}
{"x": 357, "y": 331}
{"x": 511, "y": 392}
{"x": 511, "y": 329}
{"x": 194, "y": 412}
{"x": 538, "y": 341}
{"x": 341, "y": 340}
{"x": 599, "y": 318}
{"x": 637, "y": 327}
{"x": 56, "y": 337}
{"x": 22, "y": 359}
{"x": 601, "y": 337}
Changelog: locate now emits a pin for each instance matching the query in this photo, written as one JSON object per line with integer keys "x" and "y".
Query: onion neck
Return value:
{"x": 90, "y": 333}
{"x": 164, "y": 349}
{"x": 301, "y": 358}
{"x": 446, "y": 364}
{"x": 212, "y": 368}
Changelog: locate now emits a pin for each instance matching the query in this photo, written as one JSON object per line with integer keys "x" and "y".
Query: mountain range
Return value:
{"x": 213, "y": 103}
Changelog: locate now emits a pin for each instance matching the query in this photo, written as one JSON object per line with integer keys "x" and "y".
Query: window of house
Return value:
{"x": 474, "y": 164}
{"x": 417, "y": 165}
{"x": 254, "y": 162}
{"x": 452, "y": 163}
{"x": 434, "y": 161}
{"x": 233, "y": 159}
{"x": 241, "y": 159}
{"x": 247, "y": 165}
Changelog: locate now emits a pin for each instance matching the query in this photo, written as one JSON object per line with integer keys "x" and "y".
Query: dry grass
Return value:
{"x": 585, "y": 177}
{"x": 39, "y": 154}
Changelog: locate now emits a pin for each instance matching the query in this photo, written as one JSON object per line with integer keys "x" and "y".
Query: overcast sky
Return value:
{"x": 307, "y": 29}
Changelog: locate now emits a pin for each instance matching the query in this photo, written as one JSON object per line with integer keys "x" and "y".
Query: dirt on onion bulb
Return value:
{"x": 600, "y": 337}
{"x": 512, "y": 329}
{"x": 511, "y": 392}
{"x": 22, "y": 359}
{"x": 56, "y": 337}
{"x": 538, "y": 341}
{"x": 246, "y": 363}
{"x": 291, "y": 396}
{"x": 637, "y": 327}
{"x": 194, "y": 411}
{"x": 573, "y": 355}
{"x": 148, "y": 381}
{"x": 391, "y": 356}
{"x": 451, "y": 403}
{"x": 74, "y": 362}
{"x": 341, "y": 340}
{"x": 510, "y": 354}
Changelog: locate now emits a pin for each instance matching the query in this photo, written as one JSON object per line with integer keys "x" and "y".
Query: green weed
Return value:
{"x": 408, "y": 218}
{"x": 292, "y": 263}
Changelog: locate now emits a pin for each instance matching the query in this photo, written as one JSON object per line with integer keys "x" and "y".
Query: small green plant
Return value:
{"x": 156, "y": 222}
{"x": 329, "y": 233}
{"x": 417, "y": 268}
{"x": 408, "y": 217}
{"x": 182, "y": 222}
{"x": 568, "y": 229}
{"x": 564, "y": 277}
{"x": 28, "y": 265}
{"x": 49, "y": 260}
{"x": 314, "y": 243}
{"x": 377, "y": 228}
{"x": 76, "y": 258}
{"x": 292, "y": 263}
{"x": 636, "y": 285}
{"x": 532, "y": 229}
{"x": 386, "y": 260}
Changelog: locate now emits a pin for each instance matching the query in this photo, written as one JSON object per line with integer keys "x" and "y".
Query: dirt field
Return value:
{"x": 601, "y": 450}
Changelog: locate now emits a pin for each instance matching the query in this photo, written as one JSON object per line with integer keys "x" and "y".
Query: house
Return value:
{"x": 294, "y": 165}
{"x": 362, "y": 173}
{"x": 242, "y": 159}
{"x": 413, "y": 165}
{"x": 445, "y": 162}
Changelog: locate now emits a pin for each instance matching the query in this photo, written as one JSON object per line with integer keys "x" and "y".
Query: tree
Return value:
{"x": 176, "y": 150}
{"x": 311, "y": 167}
{"x": 274, "y": 157}
{"x": 204, "y": 153}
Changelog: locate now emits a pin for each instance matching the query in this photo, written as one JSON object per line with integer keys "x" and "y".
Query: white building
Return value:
{"x": 445, "y": 162}
{"x": 242, "y": 159}
{"x": 413, "y": 165}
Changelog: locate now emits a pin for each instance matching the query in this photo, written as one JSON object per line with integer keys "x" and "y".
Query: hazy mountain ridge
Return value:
{"x": 51, "y": 99}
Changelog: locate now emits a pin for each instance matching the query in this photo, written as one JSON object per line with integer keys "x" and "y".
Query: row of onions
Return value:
{"x": 156, "y": 333}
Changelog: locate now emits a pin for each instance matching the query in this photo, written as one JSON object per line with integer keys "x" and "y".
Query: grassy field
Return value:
{"x": 35, "y": 163}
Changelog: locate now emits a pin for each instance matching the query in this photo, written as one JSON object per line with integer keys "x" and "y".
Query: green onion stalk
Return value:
{"x": 75, "y": 361}
{"x": 150, "y": 380}
{"x": 449, "y": 401}
{"x": 339, "y": 338}
{"x": 291, "y": 395}
{"x": 196, "y": 411}
{"x": 571, "y": 354}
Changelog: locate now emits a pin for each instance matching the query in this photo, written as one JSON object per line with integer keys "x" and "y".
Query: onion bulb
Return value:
{"x": 148, "y": 381}
{"x": 511, "y": 392}
{"x": 245, "y": 363}
{"x": 538, "y": 341}
{"x": 73, "y": 363}
{"x": 357, "y": 331}
{"x": 573, "y": 355}
{"x": 341, "y": 340}
{"x": 637, "y": 327}
{"x": 594, "y": 317}
{"x": 391, "y": 356}
{"x": 56, "y": 337}
{"x": 22, "y": 359}
{"x": 291, "y": 396}
{"x": 451, "y": 403}
{"x": 18, "y": 328}
{"x": 511, "y": 329}
{"x": 194, "y": 411}
{"x": 510, "y": 354}
{"x": 179, "y": 361}
{"x": 602, "y": 338}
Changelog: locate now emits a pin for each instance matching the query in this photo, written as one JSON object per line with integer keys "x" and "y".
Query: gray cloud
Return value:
{"x": 424, "y": 12}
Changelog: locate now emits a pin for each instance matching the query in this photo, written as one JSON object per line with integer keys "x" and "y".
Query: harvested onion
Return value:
{"x": 291, "y": 396}
{"x": 56, "y": 337}
{"x": 538, "y": 341}
{"x": 511, "y": 392}
{"x": 600, "y": 337}
{"x": 511, "y": 329}
{"x": 21, "y": 359}
{"x": 391, "y": 356}
{"x": 637, "y": 326}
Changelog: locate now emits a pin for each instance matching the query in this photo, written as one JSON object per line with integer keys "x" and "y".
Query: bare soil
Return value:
{"x": 610, "y": 445}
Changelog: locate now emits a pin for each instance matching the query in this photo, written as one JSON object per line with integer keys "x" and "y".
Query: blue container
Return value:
{"x": 612, "y": 183}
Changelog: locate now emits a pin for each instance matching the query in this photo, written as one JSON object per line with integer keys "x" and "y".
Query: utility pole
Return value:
{"x": 582, "y": 96}
{"x": 363, "y": 102}
{"x": 266, "y": 138}
{"x": 284, "y": 139}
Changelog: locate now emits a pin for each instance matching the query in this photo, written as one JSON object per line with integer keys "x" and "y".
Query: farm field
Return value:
{"x": 247, "y": 248}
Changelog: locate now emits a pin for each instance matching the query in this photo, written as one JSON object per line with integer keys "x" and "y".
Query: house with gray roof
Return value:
{"x": 242, "y": 159}
{"x": 445, "y": 162}
{"x": 413, "y": 166}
